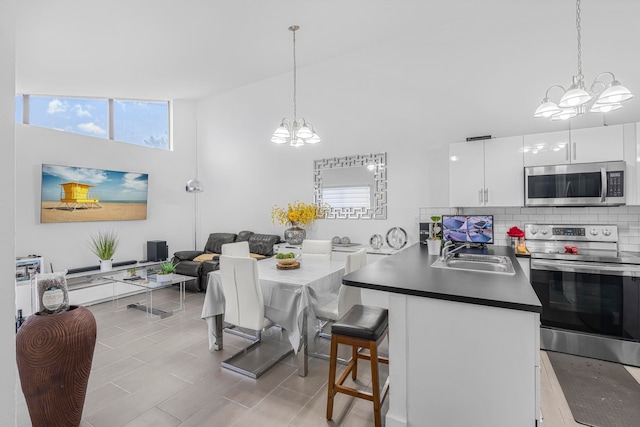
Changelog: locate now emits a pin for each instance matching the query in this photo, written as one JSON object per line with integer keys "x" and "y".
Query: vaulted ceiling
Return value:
{"x": 166, "y": 49}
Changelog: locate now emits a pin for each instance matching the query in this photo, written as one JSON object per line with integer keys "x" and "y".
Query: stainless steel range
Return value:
{"x": 590, "y": 291}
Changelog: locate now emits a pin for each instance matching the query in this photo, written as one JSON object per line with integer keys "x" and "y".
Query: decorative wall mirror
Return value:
{"x": 355, "y": 187}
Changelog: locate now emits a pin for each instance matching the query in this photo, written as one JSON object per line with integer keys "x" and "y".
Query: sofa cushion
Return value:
{"x": 244, "y": 235}
{"x": 189, "y": 268}
{"x": 216, "y": 240}
{"x": 262, "y": 244}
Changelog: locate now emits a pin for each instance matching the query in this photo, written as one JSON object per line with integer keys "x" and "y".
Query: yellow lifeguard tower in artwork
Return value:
{"x": 75, "y": 195}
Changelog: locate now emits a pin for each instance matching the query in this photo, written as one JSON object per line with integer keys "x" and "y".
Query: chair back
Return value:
{"x": 236, "y": 249}
{"x": 244, "y": 304}
{"x": 316, "y": 249}
{"x": 348, "y": 296}
{"x": 355, "y": 261}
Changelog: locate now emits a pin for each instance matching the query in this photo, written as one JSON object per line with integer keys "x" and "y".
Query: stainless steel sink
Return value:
{"x": 496, "y": 264}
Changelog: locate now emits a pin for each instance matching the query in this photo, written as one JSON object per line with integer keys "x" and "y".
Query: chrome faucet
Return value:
{"x": 447, "y": 252}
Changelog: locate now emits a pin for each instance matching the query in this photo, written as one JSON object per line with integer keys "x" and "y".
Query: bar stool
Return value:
{"x": 362, "y": 326}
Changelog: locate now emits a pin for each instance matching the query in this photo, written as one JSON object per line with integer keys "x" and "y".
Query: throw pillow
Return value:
{"x": 205, "y": 257}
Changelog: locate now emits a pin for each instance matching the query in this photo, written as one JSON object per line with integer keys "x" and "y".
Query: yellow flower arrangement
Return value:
{"x": 296, "y": 213}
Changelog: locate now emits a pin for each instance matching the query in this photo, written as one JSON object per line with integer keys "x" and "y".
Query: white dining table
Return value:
{"x": 289, "y": 297}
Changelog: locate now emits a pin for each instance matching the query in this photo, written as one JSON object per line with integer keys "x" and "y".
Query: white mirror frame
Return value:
{"x": 378, "y": 208}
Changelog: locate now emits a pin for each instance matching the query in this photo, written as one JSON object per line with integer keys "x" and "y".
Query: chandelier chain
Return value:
{"x": 294, "y": 77}
{"x": 578, "y": 27}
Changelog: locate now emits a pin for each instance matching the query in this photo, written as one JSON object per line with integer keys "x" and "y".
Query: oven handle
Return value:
{"x": 587, "y": 267}
{"x": 603, "y": 179}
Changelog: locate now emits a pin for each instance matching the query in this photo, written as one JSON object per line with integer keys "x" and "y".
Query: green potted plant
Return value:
{"x": 434, "y": 243}
{"x": 166, "y": 271}
{"x": 104, "y": 245}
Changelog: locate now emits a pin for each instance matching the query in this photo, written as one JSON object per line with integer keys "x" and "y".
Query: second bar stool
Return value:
{"x": 366, "y": 327}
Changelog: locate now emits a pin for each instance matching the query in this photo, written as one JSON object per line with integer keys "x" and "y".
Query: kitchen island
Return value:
{"x": 463, "y": 345}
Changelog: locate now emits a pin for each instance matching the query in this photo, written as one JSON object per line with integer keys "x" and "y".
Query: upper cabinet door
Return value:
{"x": 551, "y": 148}
{"x": 599, "y": 144}
{"x": 504, "y": 172}
{"x": 466, "y": 174}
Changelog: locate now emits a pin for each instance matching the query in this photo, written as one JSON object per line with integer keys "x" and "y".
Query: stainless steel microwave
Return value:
{"x": 584, "y": 184}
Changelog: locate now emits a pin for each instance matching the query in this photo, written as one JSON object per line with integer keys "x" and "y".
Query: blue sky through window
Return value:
{"x": 18, "y": 108}
{"x": 76, "y": 115}
{"x": 141, "y": 122}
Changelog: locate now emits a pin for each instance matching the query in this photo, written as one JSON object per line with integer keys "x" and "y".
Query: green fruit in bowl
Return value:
{"x": 285, "y": 256}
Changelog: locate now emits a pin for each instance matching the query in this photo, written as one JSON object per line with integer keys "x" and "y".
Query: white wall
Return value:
{"x": 7, "y": 214}
{"x": 170, "y": 210}
{"x": 357, "y": 105}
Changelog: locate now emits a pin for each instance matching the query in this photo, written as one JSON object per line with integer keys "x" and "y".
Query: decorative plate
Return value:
{"x": 396, "y": 237}
{"x": 376, "y": 241}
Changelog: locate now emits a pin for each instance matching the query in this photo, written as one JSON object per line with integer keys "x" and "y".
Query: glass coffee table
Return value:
{"x": 144, "y": 279}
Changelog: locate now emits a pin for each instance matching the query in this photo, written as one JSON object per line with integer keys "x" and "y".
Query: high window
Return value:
{"x": 19, "y": 108}
{"x": 144, "y": 123}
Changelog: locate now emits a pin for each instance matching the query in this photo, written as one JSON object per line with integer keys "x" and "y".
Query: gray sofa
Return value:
{"x": 260, "y": 244}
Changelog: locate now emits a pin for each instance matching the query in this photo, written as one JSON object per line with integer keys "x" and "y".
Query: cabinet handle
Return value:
{"x": 486, "y": 195}
{"x": 574, "y": 151}
{"x": 566, "y": 150}
{"x": 480, "y": 196}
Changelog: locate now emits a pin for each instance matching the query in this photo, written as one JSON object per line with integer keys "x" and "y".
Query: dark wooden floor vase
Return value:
{"x": 54, "y": 355}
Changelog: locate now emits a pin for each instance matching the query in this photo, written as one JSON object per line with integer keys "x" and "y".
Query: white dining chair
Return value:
{"x": 348, "y": 296}
{"x": 244, "y": 306}
{"x": 316, "y": 249}
{"x": 236, "y": 249}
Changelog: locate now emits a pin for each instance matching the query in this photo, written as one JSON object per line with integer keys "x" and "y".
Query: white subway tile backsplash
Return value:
{"x": 627, "y": 218}
{"x": 553, "y": 217}
{"x": 598, "y": 210}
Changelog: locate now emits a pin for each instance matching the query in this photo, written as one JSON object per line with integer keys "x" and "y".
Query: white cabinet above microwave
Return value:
{"x": 598, "y": 144}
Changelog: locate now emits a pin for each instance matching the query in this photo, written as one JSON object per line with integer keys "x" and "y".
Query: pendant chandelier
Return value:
{"x": 576, "y": 100}
{"x": 296, "y": 133}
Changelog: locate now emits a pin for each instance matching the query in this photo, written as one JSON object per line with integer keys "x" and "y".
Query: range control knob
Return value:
{"x": 594, "y": 232}
{"x": 534, "y": 230}
{"x": 606, "y": 232}
{"x": 544, "y": 231}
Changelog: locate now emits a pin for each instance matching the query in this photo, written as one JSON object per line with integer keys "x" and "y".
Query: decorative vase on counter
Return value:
{"x": 294, "y": 235}
{"x": 434, "y": 246}
{"x": 106, "y": 264}
{"x": 54, "y": 355}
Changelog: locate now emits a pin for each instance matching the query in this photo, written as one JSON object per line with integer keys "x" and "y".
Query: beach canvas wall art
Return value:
{"x": 77, "y": 194}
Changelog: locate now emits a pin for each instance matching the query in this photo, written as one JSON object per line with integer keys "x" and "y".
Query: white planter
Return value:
{"x": 106, "y": 264}
{"x": 164, "y": 277}
{"x": 434, "y": 246}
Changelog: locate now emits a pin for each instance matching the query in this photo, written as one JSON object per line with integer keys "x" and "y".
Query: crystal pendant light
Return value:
{"x": 296, "y": 133}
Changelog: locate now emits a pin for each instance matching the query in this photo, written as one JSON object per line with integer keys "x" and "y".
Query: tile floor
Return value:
{"x": 160, "y": 372}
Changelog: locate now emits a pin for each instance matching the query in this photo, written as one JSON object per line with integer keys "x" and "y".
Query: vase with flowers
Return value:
{"x": 517, "y": 239}
{"x": 296, "y": 214}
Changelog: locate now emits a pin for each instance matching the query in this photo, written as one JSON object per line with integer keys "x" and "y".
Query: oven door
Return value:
{"x": 590, "y": 297}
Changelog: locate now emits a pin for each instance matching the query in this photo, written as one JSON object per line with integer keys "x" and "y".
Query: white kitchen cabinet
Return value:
{"x": 550, "y": 148}
{"x": 486, "y": 173}
{"x": 597, "y": 144}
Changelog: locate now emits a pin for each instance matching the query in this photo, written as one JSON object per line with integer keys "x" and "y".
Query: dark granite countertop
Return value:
{"x": 409, "y": 272}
